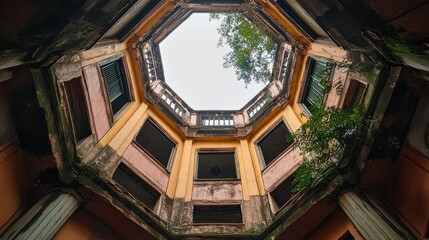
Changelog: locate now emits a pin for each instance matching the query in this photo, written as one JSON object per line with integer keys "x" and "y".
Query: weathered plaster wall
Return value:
{"x": 155, "y": 174}
{"x": 339, "y": 76}
{"x": 97, "y": 101}
{"x": 281, "y": 168}
{"x": 212, "y": 191}
{"x": 328, "y": 51}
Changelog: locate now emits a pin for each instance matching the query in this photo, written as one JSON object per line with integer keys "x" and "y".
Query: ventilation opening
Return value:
{"x": 155, "y": 143}
{"x": 217, "y": 214}
{"x": 216, "y": 165}
{"x": 77, "y": 109}
{"x": 136, "y": 186}
{"x": 283, "y": 193}
{"x": 275, "y": 143}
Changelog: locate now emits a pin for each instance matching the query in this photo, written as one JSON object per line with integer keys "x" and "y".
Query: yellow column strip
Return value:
{"x": 175, "y": 171}
{"x": 257, "y": 168}
{"x": 125, "y": 135}
{"x": 184, "y": 170}
{"x": 243, "y": 174}
{"x": 117, "y": 126}
{"x": 250, "y": 170}
{"x": 190, "y": 182}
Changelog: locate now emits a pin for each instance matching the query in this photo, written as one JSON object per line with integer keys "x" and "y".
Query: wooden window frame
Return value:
{"x": 126, "y": 81}
{"x": 259, "y": 151}
{"x": 162, "y": 131}
{"x": 275, "y": 207}
{"x": 84, "y": 103}
{"x": 131, "y": 170}
{"x": 308, "y": 74}
{"x": 218, "y": 205}
{"x": 217, "y": 150}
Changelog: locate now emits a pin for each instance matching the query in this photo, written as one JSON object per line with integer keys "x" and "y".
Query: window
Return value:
{"x": 116, "y": 83}
{"x": 155, "y": 143}
{"x": 282, "y": 193}
{"x": 78, "y": 111}
{"x": 354, "y": 94}
{"x": 136, "y": 186}
{"x": 217, "y": 214}
{"x": 313, "y": 90}
{"x": 274, "y": 143}
{"x": 216, "y": 165}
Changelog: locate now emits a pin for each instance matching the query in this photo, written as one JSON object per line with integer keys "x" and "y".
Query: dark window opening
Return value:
{"x": 275, "y": 142}
{"x": 347, "y": 236}
{"x": 354, "y": 94}
{"x": 77, "y": 108}
{"x": 136, "y": 186}
{"x": 313, "y": 91}
{"x": 217, "y": 214}
{"x": 283, "y": 192}
{"x": 156, "y": 143}
{"x": 216, "y": 165}
{"x": 116, "y": 83}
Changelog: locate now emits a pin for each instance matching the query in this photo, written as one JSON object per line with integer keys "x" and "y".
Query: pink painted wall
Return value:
{"x": 281, "y": 168}
{"x": 333, "y": 98}
{"x": 97, "y": 102}
{"x": 152, "y": 171}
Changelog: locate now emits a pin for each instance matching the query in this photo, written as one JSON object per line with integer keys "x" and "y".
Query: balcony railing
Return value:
{"x": 159, "y": 92}
{"x": 149, "y": 61}
{"x": 173, "y": 104}
{"x": 259, "y": 105}
{"x": 214, "y": 119}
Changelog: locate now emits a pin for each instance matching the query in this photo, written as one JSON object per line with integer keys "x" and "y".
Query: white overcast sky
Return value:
{"x": 193, "y": 67}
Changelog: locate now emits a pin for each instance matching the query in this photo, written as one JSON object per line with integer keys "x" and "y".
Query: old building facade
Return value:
{"x": 95, "y": 144}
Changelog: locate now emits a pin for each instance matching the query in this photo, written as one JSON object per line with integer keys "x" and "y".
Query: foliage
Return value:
{"x": 253, "y": 52}
{"x": 322, "y": 140}
{"x": 324, "y": 137}
{"x": 365, "y": 68}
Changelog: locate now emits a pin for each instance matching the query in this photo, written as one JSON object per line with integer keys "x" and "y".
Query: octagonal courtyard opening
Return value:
{"x": 217, "y": 61}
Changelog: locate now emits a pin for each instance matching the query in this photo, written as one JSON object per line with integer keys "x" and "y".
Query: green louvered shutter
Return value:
{"x": 314, "y": 90}
{"x": 117, "y": 88}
